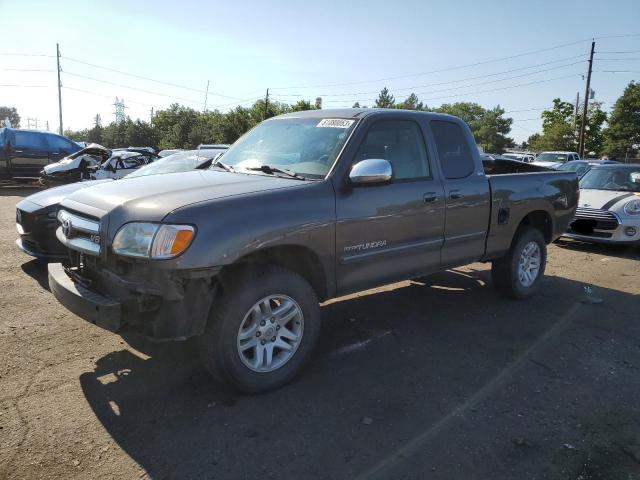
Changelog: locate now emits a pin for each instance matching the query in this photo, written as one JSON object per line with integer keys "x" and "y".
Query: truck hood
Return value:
{"x": 152, "y": 197}
{"x": 55, "y": 195}
{"x": 613, "y": 200}
{"x": 547, "y": 164}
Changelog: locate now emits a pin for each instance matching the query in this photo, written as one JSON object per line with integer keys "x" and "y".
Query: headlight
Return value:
{"x": 632, "y": 207}
{"x": 152, "y": 240}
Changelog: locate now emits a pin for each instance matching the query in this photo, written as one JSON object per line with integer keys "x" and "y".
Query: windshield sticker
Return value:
{"x": 335, "y": 123}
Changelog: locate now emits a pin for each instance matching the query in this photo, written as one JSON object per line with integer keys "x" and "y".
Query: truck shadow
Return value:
{"x": 390, "y": 362}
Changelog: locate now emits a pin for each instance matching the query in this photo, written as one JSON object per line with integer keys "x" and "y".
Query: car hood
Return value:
{"x": 605, "y": 199}
{"x": 55, "y": 195}
{"x": 152, "y": 197}
{"x": 547, "y": 164}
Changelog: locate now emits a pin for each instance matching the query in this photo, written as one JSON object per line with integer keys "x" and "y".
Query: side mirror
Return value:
{"x": 373, "y": 171}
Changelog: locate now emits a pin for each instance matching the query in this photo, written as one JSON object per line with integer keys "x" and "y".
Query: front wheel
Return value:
{"x": 518, "y": 273}
{"x": 263, "y": 330}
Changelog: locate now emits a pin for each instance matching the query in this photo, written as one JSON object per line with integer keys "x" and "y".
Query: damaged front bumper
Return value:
{"x": 165, "y": 305}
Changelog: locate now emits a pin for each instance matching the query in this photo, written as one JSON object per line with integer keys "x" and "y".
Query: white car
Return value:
{"x": 520, "y": 157}
{"x": 609, "y": 206}
{"x": 122, "y": 163}
{"x": 555, "y": 159}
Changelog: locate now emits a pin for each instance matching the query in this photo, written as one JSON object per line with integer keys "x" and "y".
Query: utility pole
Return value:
{"x": 575, "y": 113}
{"x": 60, "y": 130}
{"x": 266, "y": 105}
{"x": 151, "y": 116}
{"x": 586, "y": 102}
{"x": 206, "y": 95}
{"x": 119, "y": 113}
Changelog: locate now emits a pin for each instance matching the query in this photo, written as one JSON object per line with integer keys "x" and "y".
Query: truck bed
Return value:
{"x": 524, "y": 190}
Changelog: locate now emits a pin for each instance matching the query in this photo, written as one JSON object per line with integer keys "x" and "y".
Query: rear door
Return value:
{"x": 467, "y": 194}
{"x": 391, "y": 231}
{"x": 29, "y": 152}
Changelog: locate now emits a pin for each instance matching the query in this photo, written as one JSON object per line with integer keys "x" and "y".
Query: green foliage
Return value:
{"x": 561, "y": 127}
{"x": 489, "y": 127}
{"x": 12, "y": 114}
{"x": 412, "y": 103}
{"x": 385, "y": 99}
{"x": 622, "y": 136}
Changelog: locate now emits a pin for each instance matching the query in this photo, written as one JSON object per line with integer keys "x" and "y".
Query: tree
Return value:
{"x": 594, "y": 133}
{"x": 356, "y": 105}
{"x": 489, "y": 127}
{"x": 95, "y": 134}
{"x": 622, "y": 136}
{"x": 12, "y": 114}
{"x": 560, "y": 127}
{"x": 411, "y": 103}
{"x": 385, "y": 99}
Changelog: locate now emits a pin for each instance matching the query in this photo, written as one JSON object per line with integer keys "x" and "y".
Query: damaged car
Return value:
{"x": 609, "y": 207}
{"x": 97, "y": 163}
{"x": 36, "y": 214}
{"x": 75, "y": 167}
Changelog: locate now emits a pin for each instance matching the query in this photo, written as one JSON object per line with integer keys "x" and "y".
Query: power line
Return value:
{"x": 25, "y": 86}
{"x": 448, "y": 69}
{"x": 26, "y": 55}
{"x": 478, "y": 91}
{"x": 140, "y": 77}
{"x": 622, "y": 52}
{"x": 616, "y": 59}
{"x": 616, "y": 71}
{"x": 489, "y": 81}
{"x": 454, "y": 81}
{"x": 27, "y": 70}
{"x": 188, "y": 100}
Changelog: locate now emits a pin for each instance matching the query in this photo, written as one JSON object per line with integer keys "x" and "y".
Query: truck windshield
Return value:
{"x": 305, "y": 146}
{"x": 621, "y": 179}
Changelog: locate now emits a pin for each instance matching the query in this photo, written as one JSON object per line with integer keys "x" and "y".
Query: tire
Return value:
{"x": 506, "y": 273}
{"x": 220, "y": 346}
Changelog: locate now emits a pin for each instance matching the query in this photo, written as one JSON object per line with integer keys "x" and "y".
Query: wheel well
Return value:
{"x": 298, "y": 259}
{"x": 540, "y": 220}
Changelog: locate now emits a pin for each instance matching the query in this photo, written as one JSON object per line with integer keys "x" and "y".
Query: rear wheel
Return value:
{"x": 262, "y": 331}
{"x": 518, "y": 273}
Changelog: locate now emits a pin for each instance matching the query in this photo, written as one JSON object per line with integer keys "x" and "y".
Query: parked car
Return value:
{"x": 75, "y": 167}
{"x": 96, "y": 162}
{"x": 555, "y": 159}
{"x": 609, "y": 209}
{"x": 122, "y": 163}
{"x": 583, "y": 166}
{"x": 23, "y": 153}
{"x": 520, "y": 157}
{"x": 166, "y": 153}
{"x": 353, "y": 199}
{"x": 36, "y": 214}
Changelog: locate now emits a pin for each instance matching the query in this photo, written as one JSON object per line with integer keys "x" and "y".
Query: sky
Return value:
{"x": 519, "y": 55}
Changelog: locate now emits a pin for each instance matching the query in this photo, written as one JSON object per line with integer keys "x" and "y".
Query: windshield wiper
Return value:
{"x": 223, "y": 166}
{"x": 269, "y": 170}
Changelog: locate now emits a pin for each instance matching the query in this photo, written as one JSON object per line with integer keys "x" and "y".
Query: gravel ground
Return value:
{"x": 438, "y": 378}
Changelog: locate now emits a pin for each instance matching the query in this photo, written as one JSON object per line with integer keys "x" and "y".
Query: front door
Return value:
{"x": 467, "y": 195}
{"x": 393, "y": 231}
{"x": 29, "y": 153}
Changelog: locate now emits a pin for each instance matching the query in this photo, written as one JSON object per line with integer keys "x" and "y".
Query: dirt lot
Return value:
{"x": 433, "y": 379}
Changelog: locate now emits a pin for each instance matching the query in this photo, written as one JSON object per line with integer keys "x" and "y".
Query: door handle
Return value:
{"x": 455, "y": 194}
{"x": 430, "y": 197}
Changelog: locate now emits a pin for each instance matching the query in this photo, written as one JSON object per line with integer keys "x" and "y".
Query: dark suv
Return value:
{"x": 23, "y": 153}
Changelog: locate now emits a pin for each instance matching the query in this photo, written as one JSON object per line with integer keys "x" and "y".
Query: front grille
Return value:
{"x": 79, "y": 233}
{"x": 596, "y": 218}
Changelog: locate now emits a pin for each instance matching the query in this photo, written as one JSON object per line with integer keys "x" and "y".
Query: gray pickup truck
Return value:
{"x": 305, "y": 207}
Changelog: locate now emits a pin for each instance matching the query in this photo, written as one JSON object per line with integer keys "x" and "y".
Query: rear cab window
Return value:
{"x": 453, "y": 149}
